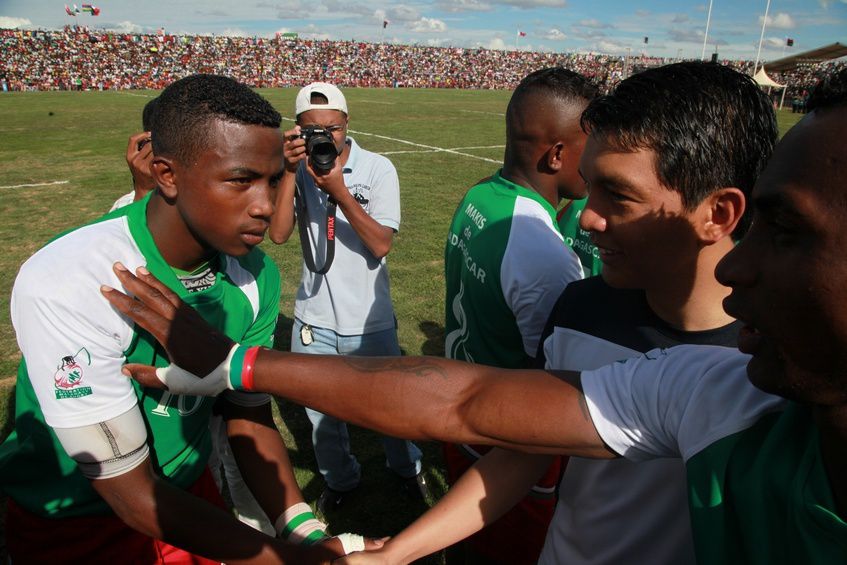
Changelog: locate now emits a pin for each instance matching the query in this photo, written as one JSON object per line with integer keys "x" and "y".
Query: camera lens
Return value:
{"x": 322, "y": 151}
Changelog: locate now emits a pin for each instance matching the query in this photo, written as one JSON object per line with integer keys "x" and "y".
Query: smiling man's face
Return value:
{"x": 789, "y": 274}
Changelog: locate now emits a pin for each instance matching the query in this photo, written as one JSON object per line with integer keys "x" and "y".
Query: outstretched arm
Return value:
{"x": 481, "y": 495}
{"x": 410, "y": 397}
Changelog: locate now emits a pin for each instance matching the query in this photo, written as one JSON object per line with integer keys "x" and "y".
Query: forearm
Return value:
{"x": 282, "y": 221}
{"x": 484, "y": 493}
{"x": 159, "y": 510}
{"x": 465, "y": 403}
{"x": 262, "y": 458}
{"x": 376, "y": 237}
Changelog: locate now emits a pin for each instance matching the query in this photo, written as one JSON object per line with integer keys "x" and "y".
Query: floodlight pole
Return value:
{"x": 706, "y": 36}
{"x": 762, "y": 36}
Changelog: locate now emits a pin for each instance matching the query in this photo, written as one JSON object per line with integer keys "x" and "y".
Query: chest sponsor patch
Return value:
{"x": 68, "y": 379}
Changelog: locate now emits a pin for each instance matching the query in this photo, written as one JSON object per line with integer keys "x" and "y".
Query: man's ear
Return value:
{"x": 556, "y": 156}
{"x": 721, "y": 212}
{"x": 164, "y": 173}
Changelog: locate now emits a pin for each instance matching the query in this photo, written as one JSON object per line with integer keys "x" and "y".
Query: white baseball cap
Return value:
{"x": 335, "y": 100}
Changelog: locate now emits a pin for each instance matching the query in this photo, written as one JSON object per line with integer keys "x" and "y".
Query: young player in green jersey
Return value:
{"x": 98, "y": 469}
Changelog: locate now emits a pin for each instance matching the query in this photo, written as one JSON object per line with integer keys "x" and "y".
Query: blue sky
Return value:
{"x": 674, "y": 28}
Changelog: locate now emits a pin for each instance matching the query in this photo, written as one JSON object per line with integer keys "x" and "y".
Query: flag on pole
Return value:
{"x": 76, "y": 9}
{"x": 68, "y": 11}
{"x": 521, "y": 33}
{"x": 385, "y": 24}
{"x": 93, "y": 10}
{"x": 646, "y": 39}
{"x": 789, "y": 42}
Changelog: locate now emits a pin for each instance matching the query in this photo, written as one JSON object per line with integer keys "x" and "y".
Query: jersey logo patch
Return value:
{"x": 69, "y": 373}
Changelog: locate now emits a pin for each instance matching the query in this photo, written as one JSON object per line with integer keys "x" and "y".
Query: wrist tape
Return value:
{"x": 299, "y": 525}
{"x": 242, "y": 361}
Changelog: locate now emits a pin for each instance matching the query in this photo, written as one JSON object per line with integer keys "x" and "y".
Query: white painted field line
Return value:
{"x": 36, "y": 184}
{"x": 140, "y": 95}
{"x": 439, "y": 150}
{"x": 481, "y": 112}
{"x": 421, "y": 145}
{"x": 377, "y": 102}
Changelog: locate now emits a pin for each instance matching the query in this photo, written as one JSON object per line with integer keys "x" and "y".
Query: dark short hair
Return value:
{"x": 148, "y": 113}
{"x": 710, "y": 126}
{"x": 187, "y": 107}
{"x": 557, "y": 82}
{"x": 831, "y": 91}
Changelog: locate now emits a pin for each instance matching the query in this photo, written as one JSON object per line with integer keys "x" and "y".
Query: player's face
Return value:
{"x": 334, "y": 121}
{"x": 226, "y": 195}
{"x": 641, "y": 229}
{"x": 789, "y": 274}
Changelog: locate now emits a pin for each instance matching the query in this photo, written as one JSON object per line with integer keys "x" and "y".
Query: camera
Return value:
{"x": 320, "y": 147}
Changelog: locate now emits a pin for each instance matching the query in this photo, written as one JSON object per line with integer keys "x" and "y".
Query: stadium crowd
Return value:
{"x": 78, "y": 58}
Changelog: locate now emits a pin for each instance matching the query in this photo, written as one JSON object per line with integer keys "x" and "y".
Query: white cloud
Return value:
{"x": 554, "y": 35}
{"x": 642, "y": 13}
{"x": 235, "y": 32}
{"x": 593, "y": 24}
{"x": 463, "y": 6}
{"x": 497, "y": 43}
{"x": 528, "y": 4}
{"x": 679, "y": 18}
{"x": 127, "y": 26}
{"x": 609, "y": 47}
{"x": 686, "y": 35}
{"x": 403, "y": 13}
{"x": 428, "y": 25}
{"x": 780, "y": 21}
{"x": 14, "y": 23}
{"x": 774, "y": 42}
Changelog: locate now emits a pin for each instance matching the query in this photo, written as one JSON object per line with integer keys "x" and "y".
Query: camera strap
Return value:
{"x": 303, "y": 223}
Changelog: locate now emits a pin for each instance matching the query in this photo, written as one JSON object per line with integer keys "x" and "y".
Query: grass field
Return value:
{"x": 62, "y": 164}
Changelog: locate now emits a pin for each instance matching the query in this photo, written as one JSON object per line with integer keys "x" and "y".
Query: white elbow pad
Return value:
{"x": 107, "y": 449}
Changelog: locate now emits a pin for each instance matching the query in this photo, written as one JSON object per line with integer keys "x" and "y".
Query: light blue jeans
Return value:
{"x": 339, "y": 467}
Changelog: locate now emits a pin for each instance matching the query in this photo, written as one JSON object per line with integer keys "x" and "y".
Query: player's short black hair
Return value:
{"x": 557, "y": 82}
{"x": 148, "y": 113}
{"x": 831, "y": 91}
{"x": 187, "y": 107}
{"x": 710, "y": 126}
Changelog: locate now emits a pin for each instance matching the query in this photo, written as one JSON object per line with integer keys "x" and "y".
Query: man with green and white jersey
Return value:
{"x": 579, "y": 239}
{"x": 101, "y": 469}
{"x": 504, "y": 262}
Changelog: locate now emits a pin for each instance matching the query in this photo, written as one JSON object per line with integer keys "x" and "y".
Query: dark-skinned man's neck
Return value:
{"x": 514, "y": 174}
{"x": 178, "y": 246}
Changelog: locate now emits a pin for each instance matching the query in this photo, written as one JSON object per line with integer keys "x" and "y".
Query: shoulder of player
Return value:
{"x": 85, "y": 254}
{"x": 259, "y": 265}
{"x": 581, "y": 298}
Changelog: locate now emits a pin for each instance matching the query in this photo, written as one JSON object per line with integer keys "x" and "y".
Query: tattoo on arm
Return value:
{"x": 424, "y": 369}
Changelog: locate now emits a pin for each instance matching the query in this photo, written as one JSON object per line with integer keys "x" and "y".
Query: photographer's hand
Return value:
{"x": 139, "y": 154}
{"x": 294, "y": 149}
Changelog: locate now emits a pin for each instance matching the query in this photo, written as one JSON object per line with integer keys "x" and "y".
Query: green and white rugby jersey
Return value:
{"x": 578, "y": 239}
{"x": 505, "y": 265}
{"x": 74, "y": 345}
{"x": 757, "y": 488}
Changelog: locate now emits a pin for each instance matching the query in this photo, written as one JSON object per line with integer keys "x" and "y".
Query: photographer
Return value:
{"x": 347, "y": 206}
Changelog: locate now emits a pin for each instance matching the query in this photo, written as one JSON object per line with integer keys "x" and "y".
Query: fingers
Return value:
{"x": 143, "y": 374}
{"x": 147, "y": 288}
{"x": 375, "y": 543}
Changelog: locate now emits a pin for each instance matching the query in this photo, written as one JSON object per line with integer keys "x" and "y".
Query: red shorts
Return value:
{"x": 517, "y": 537}
{"x": 96, "y": 539}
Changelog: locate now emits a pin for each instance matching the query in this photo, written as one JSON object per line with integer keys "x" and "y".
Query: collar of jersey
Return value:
{"x": 524, "y": 191}
{"x": 156, "y": 264}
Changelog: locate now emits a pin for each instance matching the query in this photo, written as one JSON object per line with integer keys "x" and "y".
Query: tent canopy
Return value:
{"x": 826, "y": 53}
{"x": 762, "y": 79}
